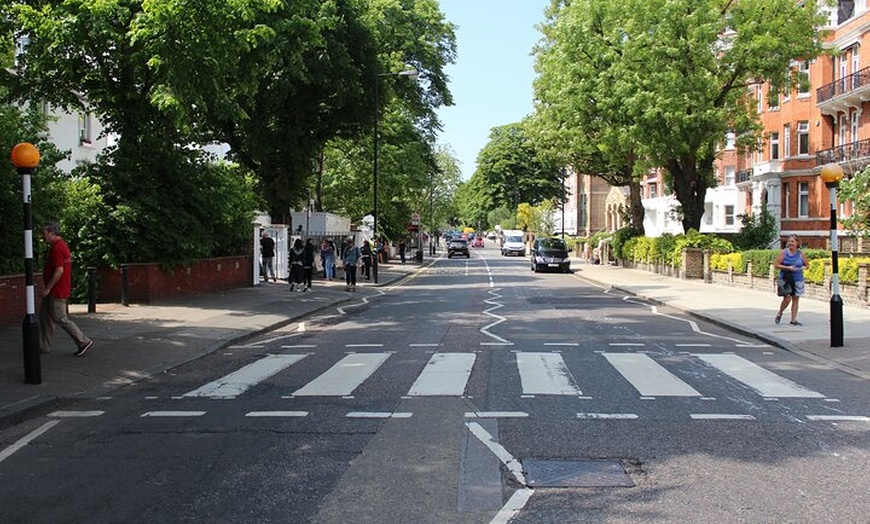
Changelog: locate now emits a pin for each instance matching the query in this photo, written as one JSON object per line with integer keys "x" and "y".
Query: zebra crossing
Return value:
{"x": 540, "y": 374}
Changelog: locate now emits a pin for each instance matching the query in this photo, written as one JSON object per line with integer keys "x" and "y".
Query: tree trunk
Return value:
{"x": 636, "y": 207}
{"x": 690, "y": 189}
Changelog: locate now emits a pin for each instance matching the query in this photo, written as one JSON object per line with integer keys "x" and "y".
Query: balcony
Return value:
{"x": 848, "y": 152}
{"x": 845, "y": 92}
{"x": 743, "y": 176}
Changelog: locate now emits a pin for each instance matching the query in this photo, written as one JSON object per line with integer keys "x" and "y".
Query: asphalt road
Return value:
{"x": 474, "y": 391}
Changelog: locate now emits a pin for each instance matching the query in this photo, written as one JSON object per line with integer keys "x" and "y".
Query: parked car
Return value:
{"x": 458, "y": 246}
{"x": 550, "y": 254}
{"x": 478, "y": 242}
{"x": 512, "y": 243}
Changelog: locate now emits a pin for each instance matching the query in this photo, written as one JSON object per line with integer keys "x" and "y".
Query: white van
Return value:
{"x": 512, "y": 243}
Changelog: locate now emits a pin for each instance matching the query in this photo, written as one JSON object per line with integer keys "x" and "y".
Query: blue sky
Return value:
{"x": 491, "y": 81}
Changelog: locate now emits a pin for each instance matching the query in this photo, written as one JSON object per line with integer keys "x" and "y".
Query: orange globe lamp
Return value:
{"x": 25, "y": 155}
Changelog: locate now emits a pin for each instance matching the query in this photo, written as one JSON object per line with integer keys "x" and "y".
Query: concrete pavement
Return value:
{"x": 135, "y": 342}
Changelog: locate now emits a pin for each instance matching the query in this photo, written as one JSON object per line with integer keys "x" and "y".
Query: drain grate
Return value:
{"x": 576, "y": 474}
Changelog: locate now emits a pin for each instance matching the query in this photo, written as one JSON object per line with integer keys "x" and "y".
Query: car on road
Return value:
{"x": 477, "y": 242}
{"x": 458, "y": 247}
{"x": 550, "y": 253}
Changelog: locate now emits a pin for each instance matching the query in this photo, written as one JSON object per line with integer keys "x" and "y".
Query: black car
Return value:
{"x": 550, "y": 253}
{"x": 458, "y": 246}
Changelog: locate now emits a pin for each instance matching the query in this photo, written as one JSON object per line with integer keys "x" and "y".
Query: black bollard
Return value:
{"x": 125, "y": 296}
{"x": 92, "y": 290}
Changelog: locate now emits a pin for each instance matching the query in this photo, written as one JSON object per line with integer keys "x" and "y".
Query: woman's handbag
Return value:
{"x": 784, "y": 285}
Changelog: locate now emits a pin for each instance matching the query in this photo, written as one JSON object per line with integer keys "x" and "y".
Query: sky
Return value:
{"x": 491, "y": 80}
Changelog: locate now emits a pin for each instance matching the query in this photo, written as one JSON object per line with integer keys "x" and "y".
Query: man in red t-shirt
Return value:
{"x": 57, "y": 285}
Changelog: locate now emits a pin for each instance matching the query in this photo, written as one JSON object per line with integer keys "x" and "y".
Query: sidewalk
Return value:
{"x": 133, "y": 343}
{"x": 750, "y": 313}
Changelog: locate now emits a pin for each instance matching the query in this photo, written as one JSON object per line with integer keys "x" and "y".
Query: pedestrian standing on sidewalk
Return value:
{"x": 791, "y": 263}
{"x": 366, "y": 251}
{"x": 56, "y": 289}
{"x": 327, "y": 259}
{"x": 267, "y": 251}
{"x": 308, "y": 253}
{"x": 297, "y": 279}
{"x": 402, "y": 248}
{"x": 351, "y": 256}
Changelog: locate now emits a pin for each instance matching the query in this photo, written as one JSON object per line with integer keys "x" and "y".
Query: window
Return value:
{"x": 729, "y": 175}
{"x": 803, "y": 199}
{"x": 786, "y": 134}
{"x": 786, "y": 190}
{"x": 773, "y": 99}
{"x": 652, "y": 190}
{"x": 854, "y": 127}
{"x": 730, "y": 140}
{"x": 85, "y": 128}
{"x": 774, "y": 146}
{"x": 841, "y": 134}
{"x": 729, "y": 215}
{"x": 758, "y": 100}
{"x": 804, "y": 78}
{"x": 803, "y": 138}
{"x": 856, "y": 66}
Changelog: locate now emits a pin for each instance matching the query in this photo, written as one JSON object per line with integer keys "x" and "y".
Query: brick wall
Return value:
{"x": 146, "y": 283}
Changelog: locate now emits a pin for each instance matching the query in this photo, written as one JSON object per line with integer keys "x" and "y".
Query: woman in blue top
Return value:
{"x": 351, "y": 257}
{"x": 791, "y": 263}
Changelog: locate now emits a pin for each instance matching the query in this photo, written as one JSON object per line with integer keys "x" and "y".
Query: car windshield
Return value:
{"x": 512, "y": 238}
{"x": 552, "y": 243}
{"x": 458, "y": 243}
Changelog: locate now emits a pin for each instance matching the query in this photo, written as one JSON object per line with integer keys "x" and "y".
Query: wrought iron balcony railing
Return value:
{"x": 843, "y": 153}
{"x": 743, "y": 176}
{"x": 843, "y": 85}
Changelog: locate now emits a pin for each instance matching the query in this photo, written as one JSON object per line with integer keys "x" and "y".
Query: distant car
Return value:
{"x": 550, "y": 254}
{"x": 477, "y": 242}
{"x": 491, "y": 236}
{"x": 458, "y": 246}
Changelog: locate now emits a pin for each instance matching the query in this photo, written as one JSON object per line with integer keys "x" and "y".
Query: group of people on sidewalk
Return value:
{"x": 302, "y": 256}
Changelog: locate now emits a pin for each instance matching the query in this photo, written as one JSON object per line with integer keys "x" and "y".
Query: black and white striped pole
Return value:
{"x": 25, "y": 158}
{"x": 831, "y": 176}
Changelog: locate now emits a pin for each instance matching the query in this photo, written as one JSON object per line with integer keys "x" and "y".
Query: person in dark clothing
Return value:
{"x": 366, "y": 251}
{"x": 402, "y": 248}
{"x": 267, "y": 251}
{"x": 297, "y": 277}
{"x": 308, "y": 253}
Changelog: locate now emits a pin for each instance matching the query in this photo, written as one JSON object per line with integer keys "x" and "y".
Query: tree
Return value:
{"x": 679, "y": 71}
{"x": 759, "y": 231}
{"x": 857, "y": 191}
{"x": 575, "y": 121}
{"x": 511, "y": 170}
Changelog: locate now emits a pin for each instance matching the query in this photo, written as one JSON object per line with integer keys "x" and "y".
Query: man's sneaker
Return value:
{"x": 85, "y": 347}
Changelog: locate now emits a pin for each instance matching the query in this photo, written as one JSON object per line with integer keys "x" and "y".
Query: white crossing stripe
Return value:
{"x": 276, "y": 414}
{"x": 237, "y": 382}
{"x": 839, "y": 418}
{"x": 445, "y": 375}
{"x": 545, "y": 374}
{"x": 648, "y": 377}
{"x": 719, "y": 416}
{"x": 173, "y": 414}
{"x": 345, "y": 376}
{"x": 69, "y": 414}
{"x": 766, "y": 383}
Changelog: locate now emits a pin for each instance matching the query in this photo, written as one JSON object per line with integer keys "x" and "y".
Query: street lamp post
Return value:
{"x": 25, "y": 158}
{"x": 831, "y": 175}
{"x": 412, "y": 74}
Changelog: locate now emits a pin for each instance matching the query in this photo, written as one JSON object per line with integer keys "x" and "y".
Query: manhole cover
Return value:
{"x": 578, "y": 473}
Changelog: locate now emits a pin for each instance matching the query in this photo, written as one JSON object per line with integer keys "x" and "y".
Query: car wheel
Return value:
{"x": 534, "y": 268}
{"x": 467, "y": 256}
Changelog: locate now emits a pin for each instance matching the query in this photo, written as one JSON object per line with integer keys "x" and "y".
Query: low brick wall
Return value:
{"x": 146, "y": 283}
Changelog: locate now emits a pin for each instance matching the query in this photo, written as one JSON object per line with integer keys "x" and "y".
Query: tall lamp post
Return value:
{"x": 25, "y": 158}
{"x": 412, "y": 74}
{"x": 831, "y": 175}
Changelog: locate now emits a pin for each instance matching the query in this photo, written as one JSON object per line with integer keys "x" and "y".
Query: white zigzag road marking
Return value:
{"x": 499, "y": 319}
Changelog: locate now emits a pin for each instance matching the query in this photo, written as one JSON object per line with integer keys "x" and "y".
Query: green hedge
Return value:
{"x": 762, "y": 259}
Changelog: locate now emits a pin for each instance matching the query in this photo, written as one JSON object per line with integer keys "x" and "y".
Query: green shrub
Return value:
{"x": 694, "y": 239}
{"x": 815, "y": 273}
{"x": 619, "y": 239}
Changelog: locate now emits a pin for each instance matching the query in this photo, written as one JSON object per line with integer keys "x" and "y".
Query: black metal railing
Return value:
{"x": 843, "y": 85}
{"x": 743, "y": 176}
{"x": 843, "y": 153}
